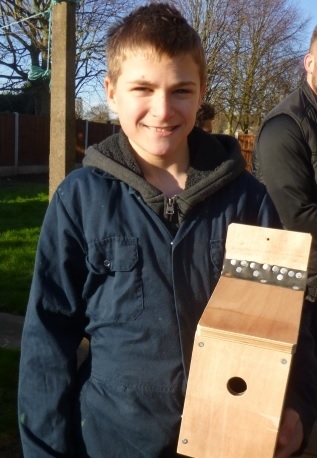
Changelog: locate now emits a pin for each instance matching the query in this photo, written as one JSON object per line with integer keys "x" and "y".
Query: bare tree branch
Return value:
{"x": 24, "y": 41}
{"x": 253, "y": 50}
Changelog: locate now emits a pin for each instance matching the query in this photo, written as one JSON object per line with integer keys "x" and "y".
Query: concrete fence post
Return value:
{"x": 62, "y": 126}
{"x": 16, "y": 139}
{"x": 86, "y": 133}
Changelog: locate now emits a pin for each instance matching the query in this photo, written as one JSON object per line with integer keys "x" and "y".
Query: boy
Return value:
{"x": 129, "y": 253}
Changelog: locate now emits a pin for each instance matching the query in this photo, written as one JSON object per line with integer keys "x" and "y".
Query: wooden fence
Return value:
{"x": 25, "y": 141}
{"x": 246, "y": 142}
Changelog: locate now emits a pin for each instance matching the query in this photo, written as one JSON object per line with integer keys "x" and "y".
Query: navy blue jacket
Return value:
{"x": 110, "y": 268}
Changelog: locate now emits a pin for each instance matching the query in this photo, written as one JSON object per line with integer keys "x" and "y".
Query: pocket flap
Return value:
{"x": 114, "y": 254}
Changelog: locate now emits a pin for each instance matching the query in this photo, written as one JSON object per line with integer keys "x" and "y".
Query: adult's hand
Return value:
{"x": 290, "y": 434}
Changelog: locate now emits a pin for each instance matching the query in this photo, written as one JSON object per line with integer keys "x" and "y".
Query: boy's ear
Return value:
{"x": 110, "y": 94}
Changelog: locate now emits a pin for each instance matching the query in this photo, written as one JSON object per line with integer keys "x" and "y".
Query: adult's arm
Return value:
{"x": 285, "y": 163}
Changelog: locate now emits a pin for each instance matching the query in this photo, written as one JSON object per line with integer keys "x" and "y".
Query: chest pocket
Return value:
{"x": 113, "y": 289}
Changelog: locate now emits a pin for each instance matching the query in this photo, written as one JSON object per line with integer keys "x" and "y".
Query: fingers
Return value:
{"x": 290, "y": 434}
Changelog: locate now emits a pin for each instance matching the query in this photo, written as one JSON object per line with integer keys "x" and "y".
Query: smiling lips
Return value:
{"x": 162, "y": 130}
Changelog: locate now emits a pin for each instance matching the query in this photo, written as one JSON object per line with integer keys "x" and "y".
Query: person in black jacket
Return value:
{"x": 285, "y": 160}
{"x": 130, "y": 251}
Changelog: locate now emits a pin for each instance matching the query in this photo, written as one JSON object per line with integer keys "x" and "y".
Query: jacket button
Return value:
{"x": 107, "y": 263}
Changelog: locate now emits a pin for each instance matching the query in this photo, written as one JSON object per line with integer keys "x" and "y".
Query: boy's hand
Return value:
{"x": 290, "y": 435}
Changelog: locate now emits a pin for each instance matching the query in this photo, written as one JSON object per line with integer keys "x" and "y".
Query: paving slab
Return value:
{"x": 10, "y": 330}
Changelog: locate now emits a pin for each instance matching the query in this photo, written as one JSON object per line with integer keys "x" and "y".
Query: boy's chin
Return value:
{"x": 160, "y": 148}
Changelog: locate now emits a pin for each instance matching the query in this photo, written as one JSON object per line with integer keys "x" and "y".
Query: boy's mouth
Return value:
{"x": 162, "y": 130}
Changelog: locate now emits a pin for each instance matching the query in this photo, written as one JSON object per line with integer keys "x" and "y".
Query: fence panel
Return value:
{"x": 34, "y": 140}
{"x": 80, "y": 139}
{"x": 246, "y": 142}
{"x": 98, "y": 132}
{"x": 7, "y": 121}
{"x": 89, "y": 133}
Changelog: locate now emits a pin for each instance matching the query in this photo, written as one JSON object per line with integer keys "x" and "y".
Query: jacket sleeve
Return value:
{"x": 53, "y": 329}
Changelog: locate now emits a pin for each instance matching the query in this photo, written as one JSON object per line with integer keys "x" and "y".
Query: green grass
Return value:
{"x": 9, "y": 434}
{"x": 23, "y": 201}
{"x": 22, "y": 208}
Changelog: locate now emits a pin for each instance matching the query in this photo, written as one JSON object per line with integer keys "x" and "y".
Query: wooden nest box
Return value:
{"x": 244, "y": 345}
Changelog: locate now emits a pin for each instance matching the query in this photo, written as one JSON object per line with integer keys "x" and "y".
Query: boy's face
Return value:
{"x": 156, "y": 99}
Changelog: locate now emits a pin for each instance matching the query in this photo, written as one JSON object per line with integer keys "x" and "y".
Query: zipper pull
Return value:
{"x": 170, "y": 205}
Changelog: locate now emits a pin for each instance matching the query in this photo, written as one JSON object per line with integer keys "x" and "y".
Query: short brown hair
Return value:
{"x": 206, "y": 111}
{"x": 159, "y": 26}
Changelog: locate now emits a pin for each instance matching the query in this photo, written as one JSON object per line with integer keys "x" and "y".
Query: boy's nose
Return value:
{"x": 162, "y": 106}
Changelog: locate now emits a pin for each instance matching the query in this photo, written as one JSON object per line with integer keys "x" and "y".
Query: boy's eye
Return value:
{"x": 140, "y": 89}
{"x": 183, "y": 91}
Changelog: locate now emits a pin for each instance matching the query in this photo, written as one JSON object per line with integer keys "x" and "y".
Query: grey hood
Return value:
{"x": 215, "y": 160}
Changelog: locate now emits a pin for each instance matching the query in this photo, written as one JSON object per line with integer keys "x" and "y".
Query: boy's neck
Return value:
{"x": 170, "y": 179}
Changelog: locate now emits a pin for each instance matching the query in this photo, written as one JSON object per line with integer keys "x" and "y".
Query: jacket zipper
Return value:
{"x": 170, "y": 206}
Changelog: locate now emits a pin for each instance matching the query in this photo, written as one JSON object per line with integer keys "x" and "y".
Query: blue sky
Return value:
{"x": 309, "y": 8}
